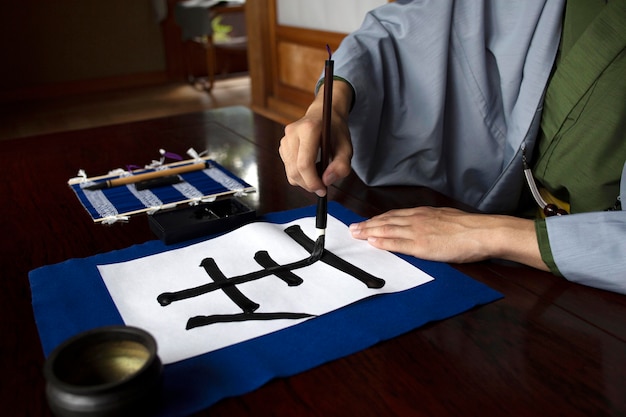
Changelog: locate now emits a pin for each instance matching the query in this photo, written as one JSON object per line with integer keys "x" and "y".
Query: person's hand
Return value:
{"x": 451, "y": 235}
{"x": 301, "y": 143}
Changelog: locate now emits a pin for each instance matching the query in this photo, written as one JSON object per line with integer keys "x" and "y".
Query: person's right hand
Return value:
{"x": 301, "y": 143}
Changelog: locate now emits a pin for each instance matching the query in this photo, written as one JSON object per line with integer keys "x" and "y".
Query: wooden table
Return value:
{"x": 548, "y": 348}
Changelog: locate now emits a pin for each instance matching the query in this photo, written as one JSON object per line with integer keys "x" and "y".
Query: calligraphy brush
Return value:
{"x": 132, "y": 179}
{"x": 321, "y": 215}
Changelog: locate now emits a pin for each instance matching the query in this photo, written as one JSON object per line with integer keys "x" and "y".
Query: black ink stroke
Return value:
{"x": 167, "y": 298}
{"x": 198, "y": 321}
{"x": 296, "y": 233}
{"x": 270, "y": 267}
{"x": 263, "y": 258}
{"x": 246, "y": 304}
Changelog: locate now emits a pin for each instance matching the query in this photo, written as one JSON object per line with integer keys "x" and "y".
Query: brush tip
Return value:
{"x": 96, "y": 186}
{"x": 318, "y": 249}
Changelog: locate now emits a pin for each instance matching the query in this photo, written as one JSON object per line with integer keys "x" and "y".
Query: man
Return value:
{"x": 449, "y": 94}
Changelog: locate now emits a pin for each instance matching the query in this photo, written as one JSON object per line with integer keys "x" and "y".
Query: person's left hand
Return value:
{"x": 451, "y": 235}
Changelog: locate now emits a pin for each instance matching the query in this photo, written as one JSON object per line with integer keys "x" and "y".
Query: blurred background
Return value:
{"x": 72, "y": 64}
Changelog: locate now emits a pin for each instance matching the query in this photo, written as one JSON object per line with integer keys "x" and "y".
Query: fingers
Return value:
{"x": 392, "y": 245}
{"x": 340, "y": 165}
{"x": 299, "y": 150}
{"x": 391, "y": 223}
{"x": 393, "y": 237}
{"x": 383, "y": 227}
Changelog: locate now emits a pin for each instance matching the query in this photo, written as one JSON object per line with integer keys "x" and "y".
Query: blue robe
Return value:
{"x": 448, "y": 93}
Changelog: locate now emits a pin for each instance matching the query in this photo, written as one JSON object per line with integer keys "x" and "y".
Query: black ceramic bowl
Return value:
{"x": 108, "y": 371}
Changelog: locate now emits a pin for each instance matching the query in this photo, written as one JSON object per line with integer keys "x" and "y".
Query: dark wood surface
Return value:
{"x": 548, "y": 348}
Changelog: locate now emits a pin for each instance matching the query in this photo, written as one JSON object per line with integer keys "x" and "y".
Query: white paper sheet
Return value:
{"x": 135, "y": 285}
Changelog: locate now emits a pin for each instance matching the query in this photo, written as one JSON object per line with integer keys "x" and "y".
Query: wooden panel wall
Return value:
{"x": 285, "y": 62}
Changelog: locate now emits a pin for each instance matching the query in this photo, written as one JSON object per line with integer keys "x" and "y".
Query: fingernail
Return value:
{"x": 321, "y": 192}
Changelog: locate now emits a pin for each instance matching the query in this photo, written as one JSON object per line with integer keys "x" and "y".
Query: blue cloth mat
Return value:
{"x": 71, "y": 297}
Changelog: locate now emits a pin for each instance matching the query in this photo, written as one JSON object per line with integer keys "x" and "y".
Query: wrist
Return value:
{"x": 343, "y": 96}
{"x": 514, "y": 239}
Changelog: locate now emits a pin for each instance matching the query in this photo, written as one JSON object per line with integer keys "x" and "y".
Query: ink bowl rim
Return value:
{"x": 101, "y": 334}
